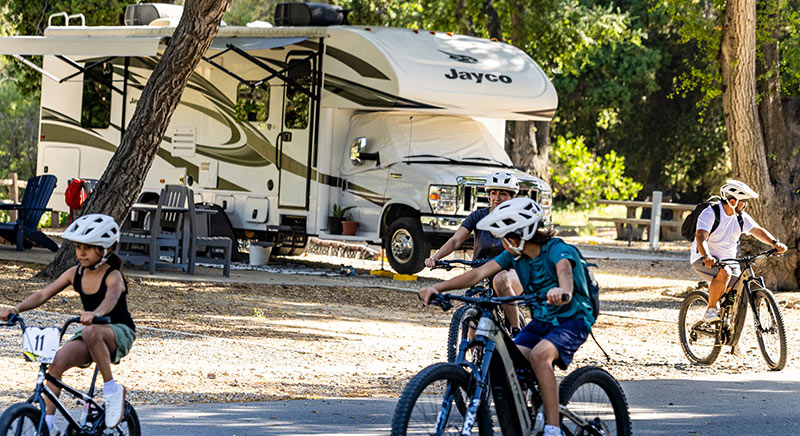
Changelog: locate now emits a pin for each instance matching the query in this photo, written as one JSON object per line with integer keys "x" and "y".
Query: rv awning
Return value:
{"x": 78, "y": 46}
{"x": 254, "y": 43}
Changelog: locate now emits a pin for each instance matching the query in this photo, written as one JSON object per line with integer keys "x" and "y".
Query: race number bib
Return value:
{"x": 39, "y": 344}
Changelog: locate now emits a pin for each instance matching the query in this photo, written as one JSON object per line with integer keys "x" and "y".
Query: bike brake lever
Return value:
{"x": 12, "y": 320}
{"x": 440, "y": 301}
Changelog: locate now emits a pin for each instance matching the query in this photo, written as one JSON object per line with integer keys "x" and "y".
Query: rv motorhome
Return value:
{"x": 278, "y": 124}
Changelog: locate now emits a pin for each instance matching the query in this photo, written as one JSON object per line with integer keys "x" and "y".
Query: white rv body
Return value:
{"x": 430, "y": 106}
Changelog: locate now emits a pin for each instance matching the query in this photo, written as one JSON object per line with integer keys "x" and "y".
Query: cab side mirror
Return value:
{"x": 357, "y": 156}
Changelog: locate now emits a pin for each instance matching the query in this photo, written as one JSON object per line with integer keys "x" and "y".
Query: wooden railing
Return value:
{"x": 13, "y": 191}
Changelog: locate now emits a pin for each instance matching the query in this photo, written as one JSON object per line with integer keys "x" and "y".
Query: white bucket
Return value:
{"x": 259, "y": 253}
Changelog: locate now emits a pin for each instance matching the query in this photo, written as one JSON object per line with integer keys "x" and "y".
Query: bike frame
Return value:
{"x": 742, "y": 288}
{"x": 509, "y": 381}
{"x": 42, "y": 391}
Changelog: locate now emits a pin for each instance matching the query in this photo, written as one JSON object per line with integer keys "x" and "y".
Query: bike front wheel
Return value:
{"x": 700, "y": 340}
{"x": 21, "y": 420}
{"x": 428, "y": 407}
{"x": 772, "y": 334}
{"x": 592, "y": 396}
{"x": 456, "y": 333}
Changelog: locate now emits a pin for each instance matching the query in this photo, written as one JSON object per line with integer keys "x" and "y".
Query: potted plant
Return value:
{"x": 336, "y": 218}
{"x": 349, "y": 227}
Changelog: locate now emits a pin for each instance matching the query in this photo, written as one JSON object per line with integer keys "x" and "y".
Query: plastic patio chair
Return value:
{"x": 24, "y": 232}
{"x": 202, "y": 242}
{"x": 163, "y": 238}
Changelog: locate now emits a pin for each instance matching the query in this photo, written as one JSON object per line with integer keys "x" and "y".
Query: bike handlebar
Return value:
{"x": 746, "y": 259}
{"x": 450, "y": 264}
{"x": 443, "y": 300}
{"x": 15, "y": 319}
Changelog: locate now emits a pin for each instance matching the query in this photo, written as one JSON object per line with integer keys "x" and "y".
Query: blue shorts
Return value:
{"x": 567, "y": 336}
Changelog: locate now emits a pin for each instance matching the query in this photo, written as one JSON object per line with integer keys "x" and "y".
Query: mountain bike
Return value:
{"x": 457, "y": 330}
{"x": 40, "y": 345}
{"x": 591, "y": 400}
{"x": 702, "y": 341}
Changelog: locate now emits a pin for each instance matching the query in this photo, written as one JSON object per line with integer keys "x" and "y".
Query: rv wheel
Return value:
{"x": 406, "y": 246}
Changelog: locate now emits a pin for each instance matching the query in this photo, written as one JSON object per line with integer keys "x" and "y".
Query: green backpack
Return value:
{"x": 592, "y": 287}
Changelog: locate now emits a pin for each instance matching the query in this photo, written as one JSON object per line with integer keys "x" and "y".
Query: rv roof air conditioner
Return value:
{"x": 309, "y": 14}
{"x": 145, "y": 13}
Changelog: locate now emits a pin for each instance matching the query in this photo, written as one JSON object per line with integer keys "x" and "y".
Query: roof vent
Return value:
{"x": 145, "y": 13}
{"x": 309, "y": 14}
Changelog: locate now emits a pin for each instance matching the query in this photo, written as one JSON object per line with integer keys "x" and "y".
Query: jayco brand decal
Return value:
{"x": 477, "y": 77}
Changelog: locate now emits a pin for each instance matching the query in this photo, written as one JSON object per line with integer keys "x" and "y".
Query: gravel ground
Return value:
{"x": 211, "y": 342}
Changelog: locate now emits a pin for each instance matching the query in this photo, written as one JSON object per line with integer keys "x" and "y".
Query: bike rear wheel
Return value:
{"x": 700, "y": 341}
{"x": 21, "y": 420}
{"x": 594, "y": 396}
{"x": 772, "y": 334}
{"x": 432, "y": 393}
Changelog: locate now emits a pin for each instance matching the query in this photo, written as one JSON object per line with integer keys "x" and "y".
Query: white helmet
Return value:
{"x": 737, "y": 190}
{"x": 94, "y": 229}
{"x": 502, "y": 180}
{"x": 518, "y": 215}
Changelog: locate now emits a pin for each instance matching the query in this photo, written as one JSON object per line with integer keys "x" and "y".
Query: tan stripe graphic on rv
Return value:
{"x": 71, "y": 135}
{"x": 358, "y": 65}
{"x": 369, "y": 97}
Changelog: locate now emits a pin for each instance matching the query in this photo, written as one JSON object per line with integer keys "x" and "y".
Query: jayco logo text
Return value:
{"x": 477, "y": 77}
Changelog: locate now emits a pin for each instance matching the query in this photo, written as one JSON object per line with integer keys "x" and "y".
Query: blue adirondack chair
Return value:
{"x": 29, "y": 212}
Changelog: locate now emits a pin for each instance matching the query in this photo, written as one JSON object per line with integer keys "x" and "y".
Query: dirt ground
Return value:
{"x": 211, "y": 342}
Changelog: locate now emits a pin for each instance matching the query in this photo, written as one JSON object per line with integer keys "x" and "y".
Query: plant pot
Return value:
{"x": 335, "y": 225}
{"x": 349, "y": 227}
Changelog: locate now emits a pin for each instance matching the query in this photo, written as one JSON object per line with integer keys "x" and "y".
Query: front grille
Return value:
{"x": 472, "y": 197}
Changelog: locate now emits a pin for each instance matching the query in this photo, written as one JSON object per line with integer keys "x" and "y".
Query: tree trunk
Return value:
{"x": 464, "y": 23}
{"x": 527, "y": 142}
{"x": 523, "y": 139}
{"x": 123, "y": 179}
{"x": 749, "y": 157}
{"x": 492, "y": 21}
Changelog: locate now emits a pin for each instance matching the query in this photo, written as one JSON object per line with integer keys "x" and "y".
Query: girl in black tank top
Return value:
{"x": 119, "y": 314}
{"x": 94, "y": 236}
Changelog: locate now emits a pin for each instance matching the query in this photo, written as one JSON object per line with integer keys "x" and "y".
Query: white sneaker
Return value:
{"x": 114, "y": 405}
{"x": 711, "y": 315}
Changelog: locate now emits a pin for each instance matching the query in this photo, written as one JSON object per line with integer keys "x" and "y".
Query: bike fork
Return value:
{"x": 480, "y": 387}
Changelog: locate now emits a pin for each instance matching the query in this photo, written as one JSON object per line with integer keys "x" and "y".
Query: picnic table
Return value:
{"x": 632, "y": 227}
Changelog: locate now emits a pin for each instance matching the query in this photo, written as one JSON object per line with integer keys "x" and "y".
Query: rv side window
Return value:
{"x": 296, "y": 115}
{"x": 96, "y": 103}
{"x": 252, "y": 104}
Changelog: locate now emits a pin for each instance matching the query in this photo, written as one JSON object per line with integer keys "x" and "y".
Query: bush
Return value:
{"x": 580, "y": 177}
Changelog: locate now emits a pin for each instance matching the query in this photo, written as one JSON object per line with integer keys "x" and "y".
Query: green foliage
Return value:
{"x": 700, "y": 23}
{"x": 19, "y": 127}
{"x": 242, "y": 12}
{"x": 30, "y": 17}
{"x": 580, "y": 177}
{"x": 339, "y": 212}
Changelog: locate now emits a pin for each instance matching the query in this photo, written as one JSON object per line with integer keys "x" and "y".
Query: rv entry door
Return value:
{"x": 295, "y": 141}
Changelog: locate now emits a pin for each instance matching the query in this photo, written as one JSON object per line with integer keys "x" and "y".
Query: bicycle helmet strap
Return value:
{"x": 106, "y": 254}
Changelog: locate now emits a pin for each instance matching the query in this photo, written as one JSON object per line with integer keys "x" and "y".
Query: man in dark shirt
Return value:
{"x": 500, "y": 186}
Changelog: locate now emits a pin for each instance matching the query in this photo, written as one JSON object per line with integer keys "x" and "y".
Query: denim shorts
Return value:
{"x": 567, "y": 336}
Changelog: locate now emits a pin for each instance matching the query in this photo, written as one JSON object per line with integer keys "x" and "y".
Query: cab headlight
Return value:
{"x": 442, "y": 199}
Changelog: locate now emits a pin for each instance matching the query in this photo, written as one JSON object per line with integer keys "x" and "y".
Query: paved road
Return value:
{"x": 729, "y": 405}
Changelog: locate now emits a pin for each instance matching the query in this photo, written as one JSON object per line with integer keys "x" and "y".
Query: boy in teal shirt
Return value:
{"x": 547, "y": 266}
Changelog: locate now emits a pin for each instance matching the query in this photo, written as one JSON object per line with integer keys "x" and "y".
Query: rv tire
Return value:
{"x": 406, "y": 246}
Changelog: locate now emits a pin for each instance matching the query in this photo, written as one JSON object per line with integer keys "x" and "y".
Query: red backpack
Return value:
{"x": 75, "y": 195}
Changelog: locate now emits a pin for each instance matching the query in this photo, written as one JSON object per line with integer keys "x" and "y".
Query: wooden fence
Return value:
{"x": 13, "y": 191}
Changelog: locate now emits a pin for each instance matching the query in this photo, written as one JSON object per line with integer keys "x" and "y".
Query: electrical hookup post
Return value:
{"x": 655, "y": 220}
